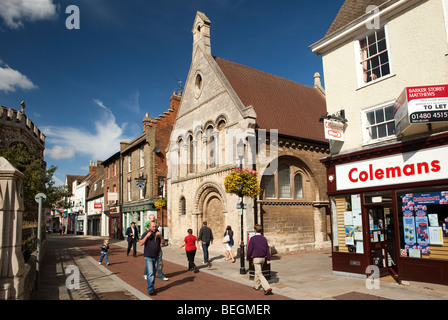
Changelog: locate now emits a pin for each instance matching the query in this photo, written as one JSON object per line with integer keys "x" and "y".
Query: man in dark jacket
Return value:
{"x": 151, "y": 239}
{"x": 258, "y": 249}
{"x": 132, "y": 233}
{"x": 206, "y": 238}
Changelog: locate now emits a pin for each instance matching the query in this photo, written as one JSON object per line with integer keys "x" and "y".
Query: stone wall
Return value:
{"x": 16, "y": 127}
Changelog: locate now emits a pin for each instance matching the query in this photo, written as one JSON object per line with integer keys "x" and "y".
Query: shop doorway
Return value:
{"x": 382, "y": 238}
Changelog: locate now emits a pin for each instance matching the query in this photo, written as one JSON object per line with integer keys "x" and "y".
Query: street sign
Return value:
{"x": 238, "y": 206}
{"x": 40, "y": 196}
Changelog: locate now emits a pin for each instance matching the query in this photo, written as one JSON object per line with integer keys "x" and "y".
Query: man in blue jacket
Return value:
{"x": 258, "y": 249}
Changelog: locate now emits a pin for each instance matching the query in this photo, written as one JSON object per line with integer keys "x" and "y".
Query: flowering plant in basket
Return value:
{"x": 160, "y": 203}
{"x": 242, "y": 181}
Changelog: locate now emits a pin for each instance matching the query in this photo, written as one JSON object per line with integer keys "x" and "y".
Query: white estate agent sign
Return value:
{"x": 425, "y": 104}
{"x": 423, "y": 165}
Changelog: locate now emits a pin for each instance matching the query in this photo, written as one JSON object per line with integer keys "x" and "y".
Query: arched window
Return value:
{"x": 269, "y": 186}
{"x": 298, "y": 186}
{"x": 210, "y": 148}
{"x": 288, "y": 182}
{"x": 183, "y": 206}
{"x": 284, "y": 181}
{"x": 191, "y": 164}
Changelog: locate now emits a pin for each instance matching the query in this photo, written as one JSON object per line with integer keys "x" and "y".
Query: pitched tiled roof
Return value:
{"x": 72, "y": 178}
{"x": 350, "y": 11}
{"x": 292, "y": 108}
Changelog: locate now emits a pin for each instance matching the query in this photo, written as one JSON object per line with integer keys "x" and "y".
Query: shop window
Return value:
{"x": 423, "y": 223}
{"x": 347, "y": 224}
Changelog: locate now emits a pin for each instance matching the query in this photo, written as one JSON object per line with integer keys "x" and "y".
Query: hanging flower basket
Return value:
{"x": 160, "y": 203}
{"x": 242, "y": 182}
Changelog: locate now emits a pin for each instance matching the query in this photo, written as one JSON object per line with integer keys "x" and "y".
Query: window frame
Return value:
{"x": 365, "y": 124}
{"x": 359, "y": 60}
{"x": 294, "y": 170}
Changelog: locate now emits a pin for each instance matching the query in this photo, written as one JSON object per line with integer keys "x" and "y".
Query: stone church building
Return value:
{"x": 223, "y": 104}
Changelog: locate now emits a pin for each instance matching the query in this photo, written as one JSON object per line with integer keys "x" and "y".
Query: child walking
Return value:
{"x": 104, "y": 251}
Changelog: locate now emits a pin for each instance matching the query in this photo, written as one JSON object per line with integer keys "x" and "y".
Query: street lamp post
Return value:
{"x": 40, "y": 199}
{"x": 162, "y": 184}
{"x": 240, "y": 152}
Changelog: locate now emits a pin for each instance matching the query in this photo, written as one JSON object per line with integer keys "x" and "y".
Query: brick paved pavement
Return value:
{"x": 64, "y": 251}
{"x": 182, "y": 285}
{"x": 306, "y": 276}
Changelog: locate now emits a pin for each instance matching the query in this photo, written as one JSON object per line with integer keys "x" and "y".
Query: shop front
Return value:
{"x": 389, "y": 209}
{"x": 115, "y": 223}
{"x": 138, "y": 213}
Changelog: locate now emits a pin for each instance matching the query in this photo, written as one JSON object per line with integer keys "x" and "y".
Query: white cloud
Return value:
{"x": 59, "y": 152}
{"x": 14, "y": 12}
{"x": 97, "y": 145}
{"x": 11, "y": 79}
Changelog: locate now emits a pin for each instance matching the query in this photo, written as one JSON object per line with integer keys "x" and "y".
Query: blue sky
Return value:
{"x": 87, "y": 89}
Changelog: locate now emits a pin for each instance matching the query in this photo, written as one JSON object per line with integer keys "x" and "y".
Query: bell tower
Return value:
{"x": 201, "y": 33}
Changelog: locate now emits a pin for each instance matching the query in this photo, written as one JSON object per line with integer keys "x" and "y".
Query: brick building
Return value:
{"x": 225, "y": 103}
{"x": 143, "y": 165}
{"x": 112, "y": 208}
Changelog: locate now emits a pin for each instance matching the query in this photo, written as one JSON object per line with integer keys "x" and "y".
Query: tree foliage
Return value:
{"x": 37, "y": 179}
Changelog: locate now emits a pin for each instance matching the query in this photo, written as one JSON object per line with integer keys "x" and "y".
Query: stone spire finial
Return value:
{"x": 201, "y": 33}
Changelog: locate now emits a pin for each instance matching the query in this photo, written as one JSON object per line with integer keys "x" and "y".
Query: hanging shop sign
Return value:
{"x": 424, "y": 104}
{"x": 334, "y": 130}
{"x": 424, "y": 165}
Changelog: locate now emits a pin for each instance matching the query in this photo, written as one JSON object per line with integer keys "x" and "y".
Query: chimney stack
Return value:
{"x": 92, "y": 167}
{"x": 146, "y": 121}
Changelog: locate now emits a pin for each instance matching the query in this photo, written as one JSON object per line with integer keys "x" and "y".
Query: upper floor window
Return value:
{"x": 142, "y": 156}
{"x": 379, "y": 123}
{"x": 374, "y": 56}
{"x": 129, "y": 163}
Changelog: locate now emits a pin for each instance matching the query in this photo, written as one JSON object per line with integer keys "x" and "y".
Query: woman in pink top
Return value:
{"x": 190, "y": 243}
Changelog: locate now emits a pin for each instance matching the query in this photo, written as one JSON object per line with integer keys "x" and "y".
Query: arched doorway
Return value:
{"x": 213, "y": 214}
{"x": 211, "y": 207}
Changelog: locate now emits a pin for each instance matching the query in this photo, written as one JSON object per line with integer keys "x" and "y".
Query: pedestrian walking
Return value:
{"x": 206, "y": 238}
{"x": 151, "y": 239}
{"x": 159, "y": 264}
{"x": 228, "y": 235}
{"x": 132, "y": 233}
{"x": 105, "y": 252}
{"x": 190, "y": 248}
{"x": 258, "y": 249}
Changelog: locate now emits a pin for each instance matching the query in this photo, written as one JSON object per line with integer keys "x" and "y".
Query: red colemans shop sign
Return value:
{"x": 423, "y": 165}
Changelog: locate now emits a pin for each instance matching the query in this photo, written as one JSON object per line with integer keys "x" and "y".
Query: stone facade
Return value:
{"x": 213, "y": 117}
